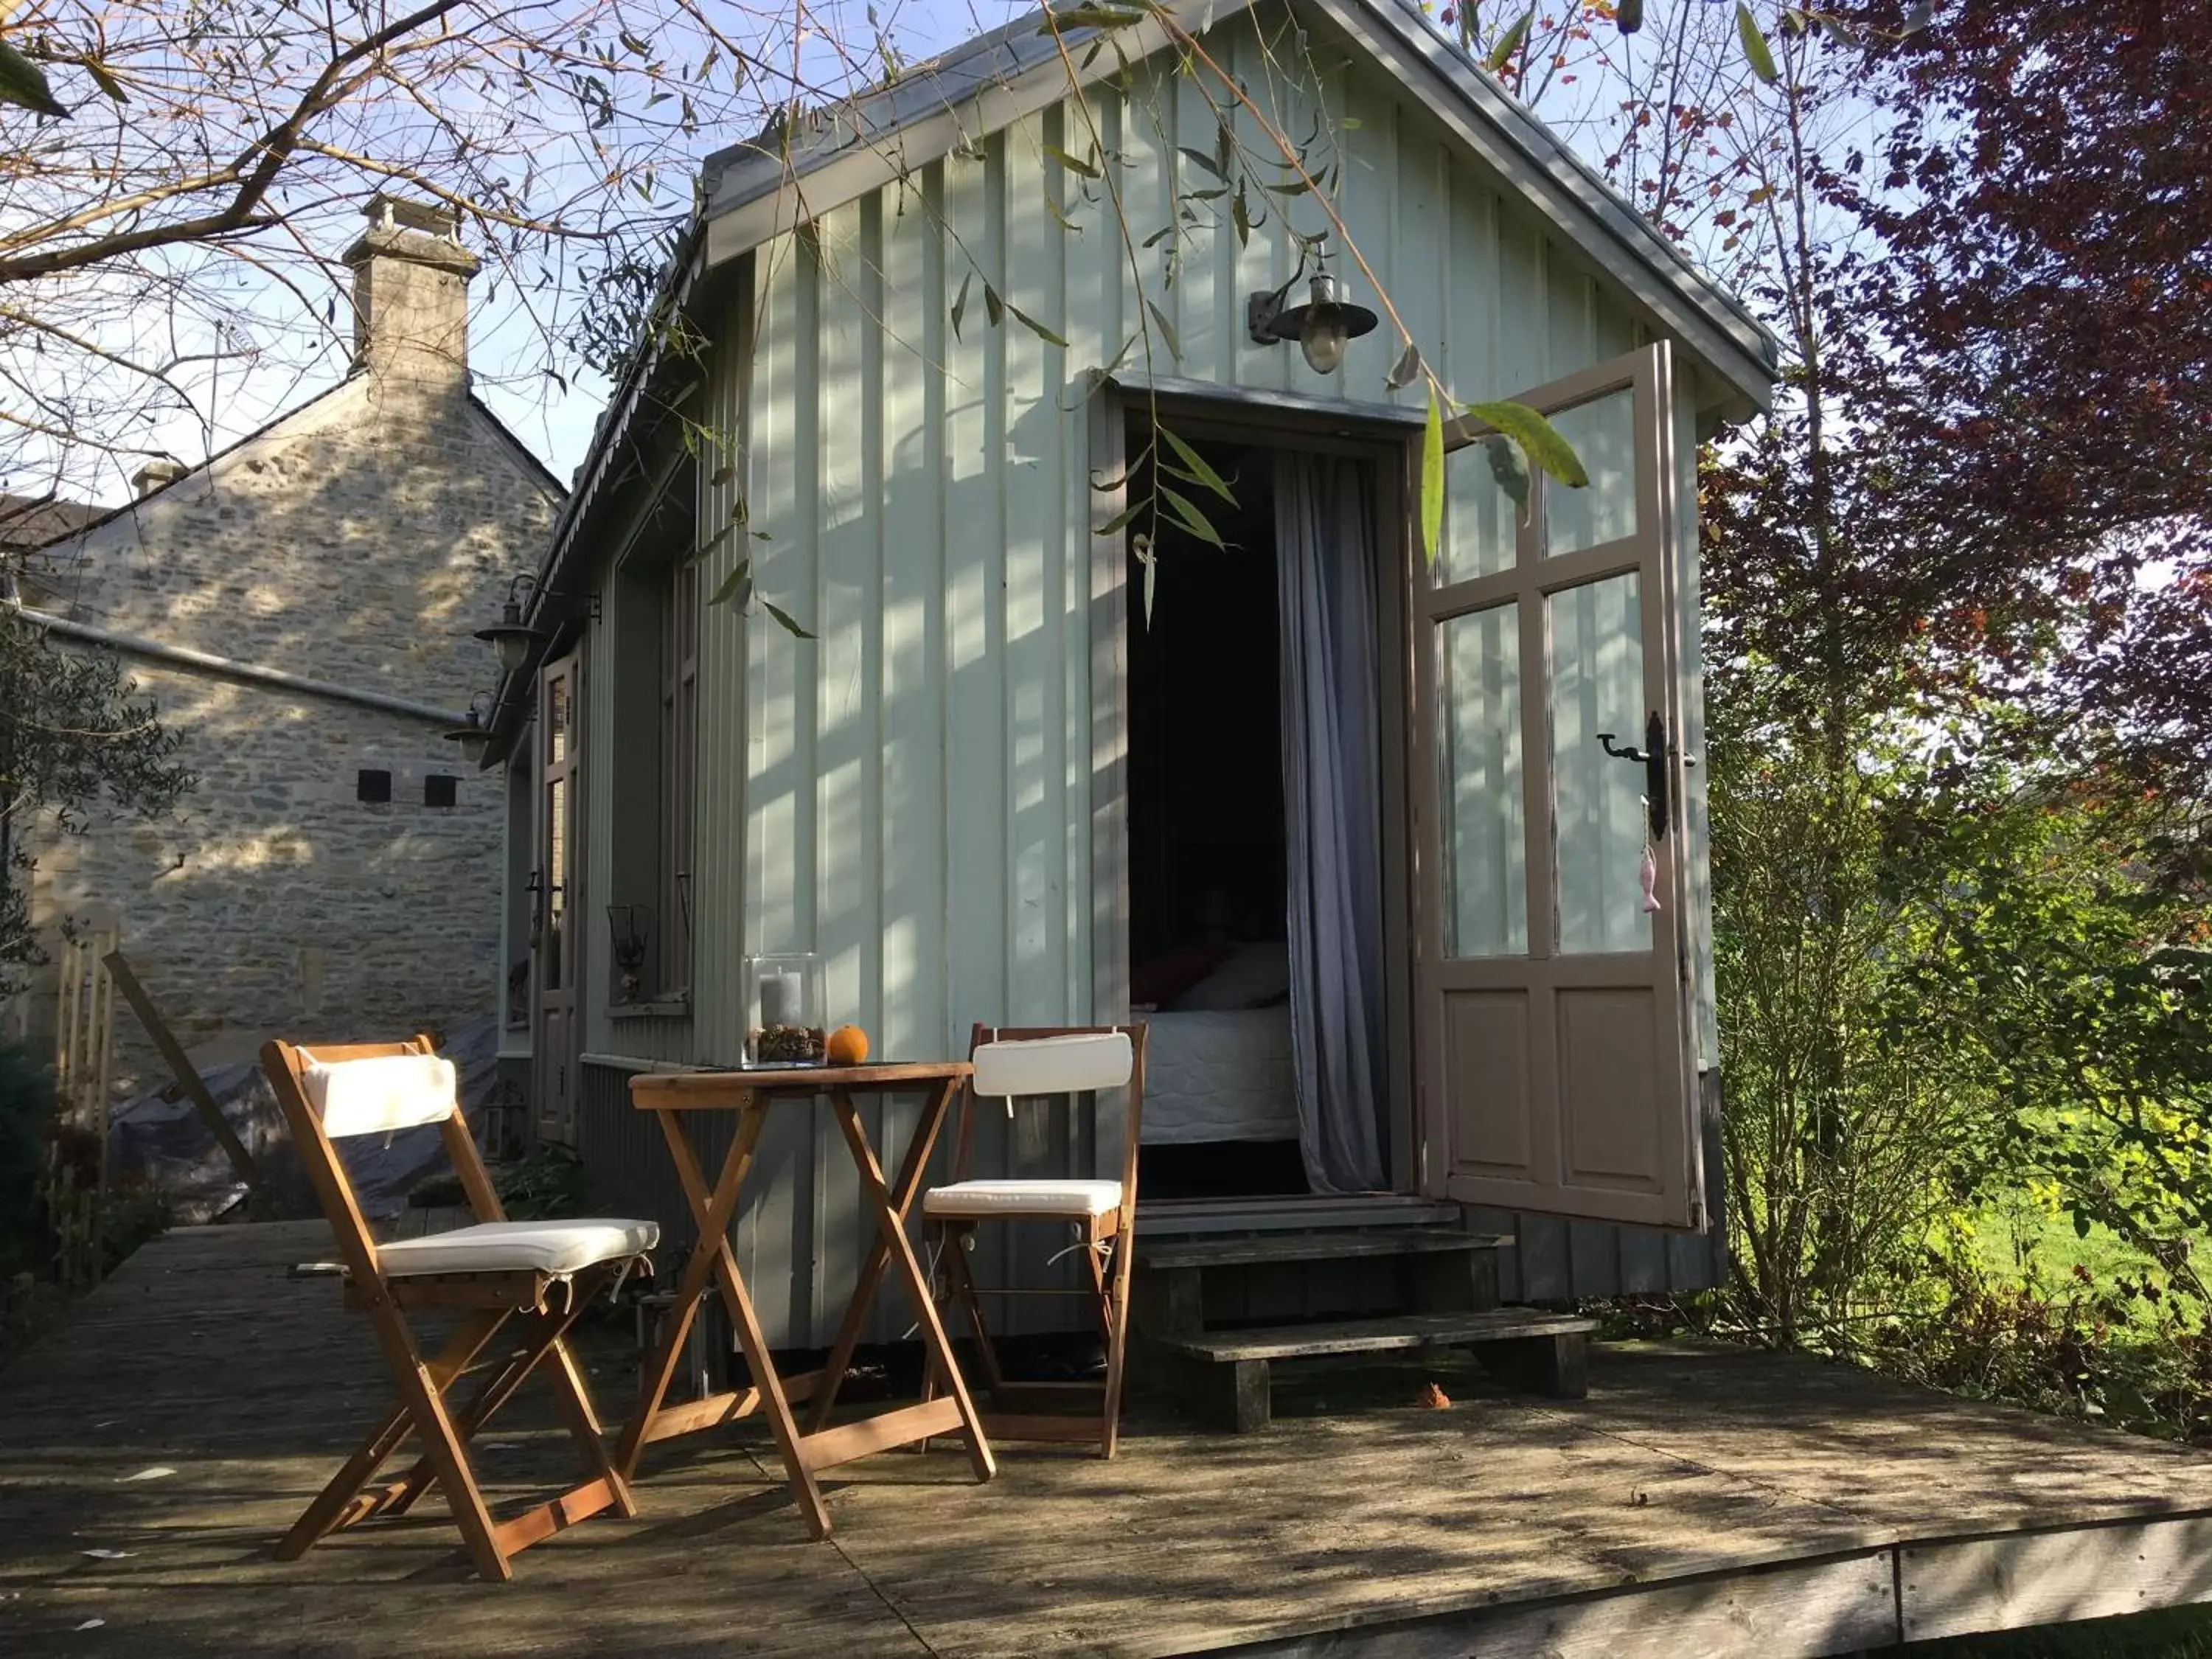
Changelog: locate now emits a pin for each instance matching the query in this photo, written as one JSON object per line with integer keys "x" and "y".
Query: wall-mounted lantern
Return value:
{"x": 510, "y": 635}
{"x": 474, "y": 733}
{"x": 1322, "y": 326}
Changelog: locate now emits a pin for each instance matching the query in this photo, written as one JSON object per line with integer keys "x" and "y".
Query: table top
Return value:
{"x": 661, "y": 1091}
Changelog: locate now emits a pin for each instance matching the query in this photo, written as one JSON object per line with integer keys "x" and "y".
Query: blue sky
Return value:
{"x": 506, "y": 350}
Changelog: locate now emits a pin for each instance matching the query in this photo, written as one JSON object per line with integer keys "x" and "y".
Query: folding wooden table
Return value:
{"x": 753, "y": 1096}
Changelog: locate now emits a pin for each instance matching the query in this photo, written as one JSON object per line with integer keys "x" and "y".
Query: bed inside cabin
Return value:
{"x": 1212, "y": 852}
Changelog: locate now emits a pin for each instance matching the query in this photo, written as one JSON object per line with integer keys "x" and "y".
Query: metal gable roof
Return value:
{"x": 795, "y": 173}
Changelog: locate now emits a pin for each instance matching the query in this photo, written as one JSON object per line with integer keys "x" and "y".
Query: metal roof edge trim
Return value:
{"x": 759, "y": 194}
{"x": 1534, "y": 142}
{"x": 685, "y": 270}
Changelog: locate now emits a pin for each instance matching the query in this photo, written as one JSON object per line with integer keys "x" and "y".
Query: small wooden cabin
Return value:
{"x": 1349, "y": 827}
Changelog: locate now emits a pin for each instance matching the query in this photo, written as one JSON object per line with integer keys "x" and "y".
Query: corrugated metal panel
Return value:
{"x": 912, "y": 795}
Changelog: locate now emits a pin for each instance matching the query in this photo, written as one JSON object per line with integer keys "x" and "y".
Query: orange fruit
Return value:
{"x": 847, "y": 1046}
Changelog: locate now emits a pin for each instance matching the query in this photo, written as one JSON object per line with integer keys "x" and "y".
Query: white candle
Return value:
{"x": 779, "y": 997}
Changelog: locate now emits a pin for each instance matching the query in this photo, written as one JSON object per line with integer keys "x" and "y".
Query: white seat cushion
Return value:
{"x": 1023, "y": 1198}
{"x": 378, "y": 1096}
{"x": 545, "y": 1247}
{"x": 1054, "y": 1066}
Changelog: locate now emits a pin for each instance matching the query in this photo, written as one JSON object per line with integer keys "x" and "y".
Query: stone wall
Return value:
{"x": 359, "y": 541}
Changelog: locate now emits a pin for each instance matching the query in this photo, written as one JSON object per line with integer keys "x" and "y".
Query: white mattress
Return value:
{"x": 1219, "y": 1076}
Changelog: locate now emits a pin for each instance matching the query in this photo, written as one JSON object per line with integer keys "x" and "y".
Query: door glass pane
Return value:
{"x": 1604, "y": 435}
{"x": 1481, "y": 519}
{"x": 556, "y": 880}
{"x": 1478, "y": 749}
{"x": 1598, "y": 818}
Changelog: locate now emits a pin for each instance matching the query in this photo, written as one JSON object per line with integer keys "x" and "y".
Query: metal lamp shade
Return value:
{"x": 511, "y": 637}
{"x": 1324, "y": 327}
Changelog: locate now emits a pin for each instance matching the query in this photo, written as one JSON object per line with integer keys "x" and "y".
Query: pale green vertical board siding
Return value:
{"x": 910, "y": 795}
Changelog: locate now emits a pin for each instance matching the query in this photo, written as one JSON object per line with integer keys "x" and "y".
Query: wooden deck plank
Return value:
{"x": 1731, "y": 1503}
{"x": 1919, "y": 1462}
{"x": 1376, "y": 1335}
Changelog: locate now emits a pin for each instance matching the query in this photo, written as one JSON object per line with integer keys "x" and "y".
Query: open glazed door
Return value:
{"x": 558, "y": 969}
{"x": 1552, "y": 1009}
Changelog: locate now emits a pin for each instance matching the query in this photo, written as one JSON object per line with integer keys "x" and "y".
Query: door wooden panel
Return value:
{"x": 1553, "y": 1047}
{"x": 1487, "y": 1047}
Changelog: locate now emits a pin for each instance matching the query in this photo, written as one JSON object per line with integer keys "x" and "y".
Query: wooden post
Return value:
{"x": 85, "y": 1010}
{"x": 180, "y": 1067}
{"x": 99, "y": 1034}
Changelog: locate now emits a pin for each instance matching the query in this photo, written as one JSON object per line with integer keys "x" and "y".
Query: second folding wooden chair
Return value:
{"x": 539, "y": 1276}
{"x": 1013, "y": 1064}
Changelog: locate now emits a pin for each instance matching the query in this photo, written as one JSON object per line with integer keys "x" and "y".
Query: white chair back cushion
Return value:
{"x": 1054, "y": 1065}
{"x": 375, "y": 1096}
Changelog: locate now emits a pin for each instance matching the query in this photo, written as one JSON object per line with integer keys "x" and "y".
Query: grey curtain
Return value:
{"x": 1332, "y": 795}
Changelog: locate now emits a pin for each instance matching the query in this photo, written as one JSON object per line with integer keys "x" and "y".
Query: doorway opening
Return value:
{"x": 1209, "y": 950}
{"x": 1254, "y": 823}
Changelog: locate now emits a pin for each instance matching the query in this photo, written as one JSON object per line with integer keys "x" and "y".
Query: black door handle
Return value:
{"x": 1652, "y": 757}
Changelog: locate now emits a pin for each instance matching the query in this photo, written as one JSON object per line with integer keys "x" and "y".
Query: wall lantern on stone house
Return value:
{"x": 510, "y": 635}
{"x": 474, "y": 733}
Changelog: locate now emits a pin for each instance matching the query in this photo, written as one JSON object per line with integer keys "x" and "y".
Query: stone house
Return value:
{"x": 302, "y": 607}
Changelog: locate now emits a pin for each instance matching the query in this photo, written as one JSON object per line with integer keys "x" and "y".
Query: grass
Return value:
{"x": 2023, "y": 1244}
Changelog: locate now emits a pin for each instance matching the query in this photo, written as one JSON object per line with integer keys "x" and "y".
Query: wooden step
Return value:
{"x": 1221, "y": 1250}
{"x": 1396, "y": 1332}
{"x": 1224, "y": 1376}
{"x": 1182, "y": 1216}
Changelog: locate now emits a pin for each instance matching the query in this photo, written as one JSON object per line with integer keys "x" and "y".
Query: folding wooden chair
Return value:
{"x": 540, "y": 1274}
{"x": 1013, "y": 1064}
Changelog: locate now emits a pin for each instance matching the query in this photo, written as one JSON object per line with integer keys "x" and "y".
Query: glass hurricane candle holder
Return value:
{"x": 785, "y": 1026}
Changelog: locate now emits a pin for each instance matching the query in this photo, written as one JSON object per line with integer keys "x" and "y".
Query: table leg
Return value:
{"x": 911, "y": 1170}
{"x": 711, "y": 1214}
{"x": 891, "y": 1227}
{"x": 738, "y": 1302}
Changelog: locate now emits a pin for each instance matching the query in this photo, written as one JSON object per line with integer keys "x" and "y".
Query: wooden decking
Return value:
{"x": 1698, "y": 1501}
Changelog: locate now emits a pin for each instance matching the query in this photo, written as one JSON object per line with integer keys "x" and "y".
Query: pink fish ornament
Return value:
{"x": 1647, "y": 877}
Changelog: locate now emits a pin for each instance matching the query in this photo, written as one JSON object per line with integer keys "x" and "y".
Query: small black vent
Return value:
{"x": 372, "y": 786}
{"x": 440, "y": 789}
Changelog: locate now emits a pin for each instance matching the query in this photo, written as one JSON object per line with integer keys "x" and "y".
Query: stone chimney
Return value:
{"x": 157, "y": 475}
{"x": 411, "y": 294}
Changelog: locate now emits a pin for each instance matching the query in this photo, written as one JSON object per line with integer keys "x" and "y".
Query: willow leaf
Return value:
{"x": 1200, "y": 471}
{"x": 22, "y": 81}
{"x": 1121, "y": 520}
{"x": 737, "y": 587}
{"x": 1755, "y": 50}
{"x": 1035, "y": 326}
{"x": 1510, "y": 42}
{"x": 106, "y": 80}
{"x": 1191, "y": 517}
{"x": 1539, "y": 439}
{"x": 1509, "y": 467}
{"x": 785, "y": 619}
{"x": 1406, "y": 370}
{"x": 1432, "y": 479}
{"x": 1090, "y": 17}
{"x": 960, "y": 302}
{"x": 1167, "y": 330}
